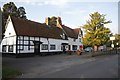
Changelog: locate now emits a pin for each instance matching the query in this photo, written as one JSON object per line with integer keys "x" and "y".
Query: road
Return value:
{"x": 66, "y": 66}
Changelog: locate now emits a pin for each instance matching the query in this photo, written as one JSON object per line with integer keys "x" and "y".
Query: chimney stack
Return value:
{"x": 47, "y": 20}
{"x": 59, "y": 22}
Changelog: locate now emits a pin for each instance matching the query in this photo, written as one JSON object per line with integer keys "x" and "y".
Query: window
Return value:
{"x": 63, "y": 36}
{"x": 52, "y": 47}
{"x": 74, "y": 39}
{"x": 10, "y": 48}
{"x": 31, "y": 47}
{"x": 80, "y": 39}
{"x": 25, "y": 38}
{"x": 20, "y": 47}
{"x": 74, "y": 47}
{"x": 32, "y": 38}
{"x": 44, "y": 47}
{"x": 20, "y": 42}
{"x": 4, "y": 48}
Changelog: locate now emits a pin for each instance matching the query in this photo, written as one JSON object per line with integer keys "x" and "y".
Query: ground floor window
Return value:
{"x": 74, "y": 47}
{"x": 21, "y": 47}
{"x": 52, "y": 47}
{"x": 10, "y": 48}
{"x": 4, "y": 48}
{"x": 44, "y": 47}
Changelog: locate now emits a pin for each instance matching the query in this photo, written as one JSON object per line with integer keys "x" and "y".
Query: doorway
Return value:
{"x": 64, "y": 47}
{"x": 37, "y": 47}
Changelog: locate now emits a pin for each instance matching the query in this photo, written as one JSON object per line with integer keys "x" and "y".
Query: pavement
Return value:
{"x": 63, "y": 66}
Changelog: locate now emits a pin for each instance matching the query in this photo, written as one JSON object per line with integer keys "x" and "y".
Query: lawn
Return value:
{"x": 9, "y": 72}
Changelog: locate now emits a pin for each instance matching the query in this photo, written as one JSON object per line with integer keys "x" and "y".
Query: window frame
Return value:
{"x": 52, "y": 47}
{"x": 74, "y": 47}
{"x": 10, "y": 48}
{"x": 4, "y": 48}
{"x": 44, "y": 47}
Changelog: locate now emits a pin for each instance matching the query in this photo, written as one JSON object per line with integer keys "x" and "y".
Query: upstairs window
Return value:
{"x": 63, "y": 36}
{"x": 74, "y": 39}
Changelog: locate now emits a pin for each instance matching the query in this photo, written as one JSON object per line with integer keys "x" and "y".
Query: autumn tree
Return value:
{"x": 95, "y": 32}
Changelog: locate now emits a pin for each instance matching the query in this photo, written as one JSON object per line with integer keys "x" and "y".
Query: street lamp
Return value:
{"x": 117, "y": 44}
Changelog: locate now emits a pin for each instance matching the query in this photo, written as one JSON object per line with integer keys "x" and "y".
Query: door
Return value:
{"x": 37, "y": 48}
{"x": 69, "y": 47}
{"x": 64, "y": 49}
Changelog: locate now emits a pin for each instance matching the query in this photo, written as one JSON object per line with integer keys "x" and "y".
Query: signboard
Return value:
{"x": 112, "y": 38}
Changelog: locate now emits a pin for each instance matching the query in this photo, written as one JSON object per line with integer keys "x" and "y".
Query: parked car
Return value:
{"x": 88, "y": 49}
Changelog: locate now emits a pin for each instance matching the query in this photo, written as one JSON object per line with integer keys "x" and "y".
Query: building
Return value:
{"x": 26, "y": 36}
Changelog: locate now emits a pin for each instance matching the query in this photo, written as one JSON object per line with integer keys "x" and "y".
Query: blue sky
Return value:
{"x": 73, "y": 13}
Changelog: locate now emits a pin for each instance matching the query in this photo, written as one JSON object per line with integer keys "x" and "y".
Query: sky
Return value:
{"x": 74, "y": 13}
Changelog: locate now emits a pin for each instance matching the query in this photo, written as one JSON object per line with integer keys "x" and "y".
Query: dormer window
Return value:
{"x": 63, "y": 36}
{"x": 74, "y": 39}
{"x": 79, "y": 35}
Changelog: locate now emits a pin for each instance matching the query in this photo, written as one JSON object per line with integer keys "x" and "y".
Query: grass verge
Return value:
{"x": 8, "y": 72}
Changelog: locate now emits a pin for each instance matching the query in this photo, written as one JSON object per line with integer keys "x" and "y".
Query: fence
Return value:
{"x": 105, "y": 52}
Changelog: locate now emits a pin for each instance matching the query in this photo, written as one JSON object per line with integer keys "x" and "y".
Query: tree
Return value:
{"x": 21, "y": 12}
{"x": 10, "y": 9}
{"x": 95, "y": 32}
{"x": 117, "y": 39}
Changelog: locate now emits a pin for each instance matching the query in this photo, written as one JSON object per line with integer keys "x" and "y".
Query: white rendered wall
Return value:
{"x": 56, "y": 42}
{"x": 76, "y": 42}
{"x": 10, "y": 37}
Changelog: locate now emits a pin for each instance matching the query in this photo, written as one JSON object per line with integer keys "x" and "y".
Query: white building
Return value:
{"x": 25, "y": 36}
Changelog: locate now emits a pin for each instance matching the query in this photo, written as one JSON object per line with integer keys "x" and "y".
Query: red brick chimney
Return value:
{"x": 59, "y": 22}
{"x": 47, "y": 20}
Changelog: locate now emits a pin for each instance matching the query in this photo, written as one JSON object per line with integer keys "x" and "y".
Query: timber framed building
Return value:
{"x": 26, "y": 36}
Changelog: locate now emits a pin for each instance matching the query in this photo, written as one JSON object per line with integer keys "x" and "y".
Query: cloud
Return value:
{"x": 56, "y": 2}
{"x": 41, "y": 2}
{"x": 75, "y": 12}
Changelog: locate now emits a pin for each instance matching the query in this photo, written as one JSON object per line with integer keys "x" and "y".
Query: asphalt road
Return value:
{"x": 105, "y": 68}
{"x": 66, "y": 66}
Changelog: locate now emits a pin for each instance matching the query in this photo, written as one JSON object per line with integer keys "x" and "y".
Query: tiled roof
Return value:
{"x": 73, "y": 33}
{"x": 31, "y": 28}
